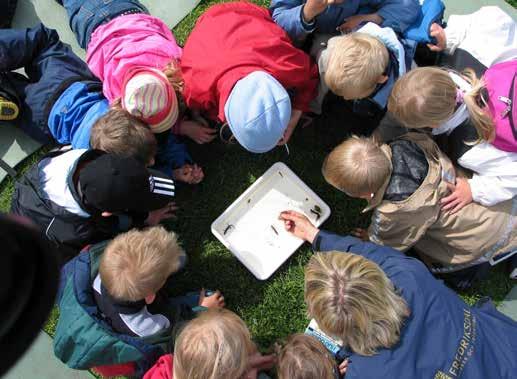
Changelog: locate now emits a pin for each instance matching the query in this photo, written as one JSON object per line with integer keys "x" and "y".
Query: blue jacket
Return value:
{"x": 443, "y": 338}
{"x": 74, "y": 113}
{"x": 397, "y": 14}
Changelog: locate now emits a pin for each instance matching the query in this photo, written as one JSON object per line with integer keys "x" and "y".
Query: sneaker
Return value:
{"x": 8, "y": 110}
{"x": 9, "y": 101}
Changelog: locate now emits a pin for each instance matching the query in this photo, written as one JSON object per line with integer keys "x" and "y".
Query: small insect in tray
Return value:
{"x": 316, "y": 210}
{"x": 228, "y": 228}
{"x": 274, "y": 229}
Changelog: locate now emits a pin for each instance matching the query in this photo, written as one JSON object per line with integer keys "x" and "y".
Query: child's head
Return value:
{"x": 358, "y": 167}
{"x": 152, "y": 96}
{"x": 215, "y": 345}
{"x": 427, "y": 97}
{"x": 258, "y": 111}
{"x": 136, "y": 264}
{"x": 357, "y": 64}
{"x": 304, "y": 357}
{"x": 118, "y": 132}
{"x": 351, "y": 298}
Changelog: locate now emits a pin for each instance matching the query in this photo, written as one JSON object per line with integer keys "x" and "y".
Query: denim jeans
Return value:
{"x": 50, "y": 66}
{"x": 86, "y": 15}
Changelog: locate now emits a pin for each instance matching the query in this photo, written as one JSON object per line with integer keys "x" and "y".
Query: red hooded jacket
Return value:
{"x": 232, "y": 40}
{"x": 162, "y": 368}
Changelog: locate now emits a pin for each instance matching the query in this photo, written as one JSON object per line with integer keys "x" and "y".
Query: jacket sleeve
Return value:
{"x": 495, "y": 178}
{"x": 172, "y": 154}
{"x": 288, "y": 15}
{"x": 491, "y": 28}
{"x": 306, "y": 88}
{"x": 297, "y": 73}
{"x": 491, "y": 190}
{"x": 398, "y": 14}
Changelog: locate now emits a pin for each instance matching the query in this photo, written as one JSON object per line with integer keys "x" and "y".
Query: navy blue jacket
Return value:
{"x": 397, "y": 14}
{"x": 443, "y": 337}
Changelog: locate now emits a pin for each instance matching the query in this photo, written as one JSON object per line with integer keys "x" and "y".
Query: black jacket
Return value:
{"x": 68, "y": 231}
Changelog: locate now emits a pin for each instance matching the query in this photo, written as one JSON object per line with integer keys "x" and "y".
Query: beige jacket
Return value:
{"x": 474, "y": 232}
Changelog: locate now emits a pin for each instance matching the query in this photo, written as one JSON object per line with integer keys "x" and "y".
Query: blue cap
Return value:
{"x": 258, "y": 111}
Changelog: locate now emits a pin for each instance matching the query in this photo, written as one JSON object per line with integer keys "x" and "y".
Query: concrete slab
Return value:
{"x": 39, "y": 362}
{"x": 470, "y": 6}
{"x": 15, "y": 146}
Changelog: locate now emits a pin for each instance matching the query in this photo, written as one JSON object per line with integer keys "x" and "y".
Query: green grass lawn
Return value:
{"x": 273, "y": 308}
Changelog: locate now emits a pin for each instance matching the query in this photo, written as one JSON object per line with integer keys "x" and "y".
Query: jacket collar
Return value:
{"x": 122, "y": 307}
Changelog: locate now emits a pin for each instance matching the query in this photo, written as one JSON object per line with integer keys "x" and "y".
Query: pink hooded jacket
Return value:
{"x": 129, "y": 42}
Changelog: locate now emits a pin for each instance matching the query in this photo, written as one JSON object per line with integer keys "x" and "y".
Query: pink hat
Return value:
{"x": 149, "y": 96}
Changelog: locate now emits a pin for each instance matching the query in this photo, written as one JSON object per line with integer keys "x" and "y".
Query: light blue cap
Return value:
{"x": 258, "y": 111}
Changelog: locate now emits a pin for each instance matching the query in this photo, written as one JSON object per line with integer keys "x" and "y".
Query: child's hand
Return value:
{"x": 352, "y": 22}
{"x": 258, "y": 363}
{"x": 197, "y": 131}
{"x": 461, "y": 195}
{"x": 299, "y": 225}
{"x": 342, "y": 367}
{"x": 312, "y": 8}
{"x": 361, "y": 234}
{"x": 215, "y": 300}
{"x": 155, "y": 217}
{"x": 438, "y": 33}
{"x": 191, "y": 174}
{"x": 293, "y": 121}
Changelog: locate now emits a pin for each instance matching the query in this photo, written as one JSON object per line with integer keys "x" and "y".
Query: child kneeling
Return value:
{"x": 133, "y": 269}
{"x": 404, "y": 183}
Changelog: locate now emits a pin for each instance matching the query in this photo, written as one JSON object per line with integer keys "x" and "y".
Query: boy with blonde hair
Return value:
{"x": 361, "y": 68}
{"x": 349, "y": 74}
{"x": 404, "y": 183}
{"x": 133, "y": 269}
{"x": 215, "y": 345}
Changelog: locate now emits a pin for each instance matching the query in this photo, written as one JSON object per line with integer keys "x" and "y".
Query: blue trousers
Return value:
{"x": 50, "y": 65}
{"x": 86, "y": 15}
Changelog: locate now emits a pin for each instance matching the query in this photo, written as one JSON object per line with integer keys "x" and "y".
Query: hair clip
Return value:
{"x": 459, "y": 96}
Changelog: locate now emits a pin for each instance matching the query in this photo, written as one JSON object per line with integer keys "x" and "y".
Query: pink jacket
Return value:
{"x": 128, "y": 42}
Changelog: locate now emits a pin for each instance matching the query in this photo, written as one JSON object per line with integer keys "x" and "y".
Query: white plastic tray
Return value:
{"x": 250, "y": 227}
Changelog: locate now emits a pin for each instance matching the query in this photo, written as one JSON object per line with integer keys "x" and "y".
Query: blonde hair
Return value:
{"x": 426, "y": 97}
{"x": 356, "y": 63}
{"x": 357, "y": 166}
{"x": 304, "y": 357}
{"x": 352, "y": 298}
{"x": 137, "y": 263}
{"x": 215, "y": 345}
{"x": 120, "y": 133}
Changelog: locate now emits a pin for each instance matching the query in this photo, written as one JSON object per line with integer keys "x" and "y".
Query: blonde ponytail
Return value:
{"x": 476, "y": 105}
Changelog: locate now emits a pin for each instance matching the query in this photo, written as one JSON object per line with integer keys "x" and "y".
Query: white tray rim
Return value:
{"x": 278, "y": 166}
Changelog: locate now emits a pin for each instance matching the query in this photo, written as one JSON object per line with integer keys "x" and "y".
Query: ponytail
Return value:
{"x": 173, "y": 74}
{"x": 476, "y": 105}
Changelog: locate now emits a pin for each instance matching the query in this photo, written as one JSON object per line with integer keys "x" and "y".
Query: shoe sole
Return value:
{"x": 8, "y": 111}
